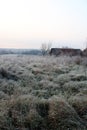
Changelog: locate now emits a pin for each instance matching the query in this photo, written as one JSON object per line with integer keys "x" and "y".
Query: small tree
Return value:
{"x": 45, "y": 48}
{"x": 86, "y": 43}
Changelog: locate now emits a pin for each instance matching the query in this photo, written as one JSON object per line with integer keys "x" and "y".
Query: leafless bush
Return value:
{"x": 78, "y": 60}
{"x": 45, "y": 48}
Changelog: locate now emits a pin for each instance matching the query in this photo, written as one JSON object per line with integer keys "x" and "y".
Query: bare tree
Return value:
{"x": 45, "y": 48}
{"x": 86, "y": 43}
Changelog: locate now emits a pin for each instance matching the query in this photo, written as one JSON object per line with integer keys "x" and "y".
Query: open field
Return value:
{"x": 43, "y": 93}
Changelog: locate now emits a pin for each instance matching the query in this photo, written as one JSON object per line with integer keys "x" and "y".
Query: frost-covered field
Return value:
{"x": 43, "y": 93}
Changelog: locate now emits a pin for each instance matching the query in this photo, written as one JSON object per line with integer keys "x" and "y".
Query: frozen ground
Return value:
{"x": 43, "y": 93}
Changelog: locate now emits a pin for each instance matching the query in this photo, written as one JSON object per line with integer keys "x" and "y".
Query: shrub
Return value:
{"x": 63, "y": 116}
{"x": 79, "y": 103}
{"x": 74, "y": 87}
{"x": 42, "y": 107}
{"x": 5, "y": 74}
{"x": 3, "y": 95}
{"x": 78, "y": 77}
{"x": 78, "y": 60}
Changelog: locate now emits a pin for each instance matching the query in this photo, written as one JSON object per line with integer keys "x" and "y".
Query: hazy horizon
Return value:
{"x": 29, "y": 23}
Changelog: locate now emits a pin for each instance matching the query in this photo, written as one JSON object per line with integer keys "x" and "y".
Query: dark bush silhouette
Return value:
{"x": 5, "y": 74}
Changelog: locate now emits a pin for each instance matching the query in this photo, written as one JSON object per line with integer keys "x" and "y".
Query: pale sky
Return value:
{"x": 29, "y": 23}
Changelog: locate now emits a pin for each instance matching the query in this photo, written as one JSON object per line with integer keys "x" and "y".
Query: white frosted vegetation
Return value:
{"x": 36, "y": 91}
